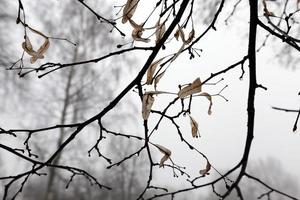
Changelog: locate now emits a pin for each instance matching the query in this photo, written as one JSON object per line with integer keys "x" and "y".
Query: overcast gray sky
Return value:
{"x": 223, "y": 133}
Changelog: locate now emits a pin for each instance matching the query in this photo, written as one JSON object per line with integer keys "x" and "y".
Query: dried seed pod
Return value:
{"x": 192, "y": 88}
{"x": 129, "y": 10}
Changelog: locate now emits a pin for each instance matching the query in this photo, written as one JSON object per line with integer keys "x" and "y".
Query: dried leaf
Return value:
{"x": 157, "y": 79}
{"x": 163, "y": 149}
{"x": 167, "y": 153}
{"x": 29, "y": 51}
{"x": 137, "y": 36}
{"x": 176, "y": 34}
{"x": 264, "y": 3}
{"x": 192, "y": 88}
{"x": 148, "y": 101}
{"x": 135, "y": 25}
{"x": 129, "y": 10}
{"x": 137, "y": 32}
{"x": 163, "y": 159}
{"x": 205, "y": 171}
{"x": 151, "y": 70}
{"x": 27, "y": 46}
{"x": 179, "y": 32}
{"x": 194, "y": 126}
{"x": 160, "y": 31}
{"x": 44, "y": 47}
{"x": 267, "y": 13}
{"x": 191, "y": 37}
{"x": 40, "y": 52}
{"x": 208, "y": 96}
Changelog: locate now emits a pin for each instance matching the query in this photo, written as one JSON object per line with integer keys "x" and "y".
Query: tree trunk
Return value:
{"x": 50, "y": 195}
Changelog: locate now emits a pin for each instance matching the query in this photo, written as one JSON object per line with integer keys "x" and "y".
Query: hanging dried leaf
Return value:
{"x": 264, "y": 3}
{"x": 176, "y": 34}
{"x": 205, "y": 171}
{"x": 267, "y": 13}
{"x": 151, "y": 71}
{"x": 194, "y": 126}
{"x": 137, "y": 36}
{"x": 135, "y": 25}
{"x": 179, "y": 32}
{"x": 137, "y": 32}
{"x": 192, "y": 88}
{"x": 148, "y": 101}
{"x": 160, "y": 31}
{"x": 157, "y": 79}
{"x": 208, "y": 96}
{"x": 191, "y": 37}
{"x": 167, "y": 153}
{"x": 129, "y": 10}
{"x": 27, "y": 46}
{"x": 41, "y": 51}
{"x": 44, "y": 47}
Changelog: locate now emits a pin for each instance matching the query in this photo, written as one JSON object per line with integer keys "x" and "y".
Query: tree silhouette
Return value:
{"x": 170, "y": 23}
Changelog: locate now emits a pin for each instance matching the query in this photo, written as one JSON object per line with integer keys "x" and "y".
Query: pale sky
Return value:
{"x": 223, "y": 133}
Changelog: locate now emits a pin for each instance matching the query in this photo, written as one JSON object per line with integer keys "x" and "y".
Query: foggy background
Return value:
{"x": 74, "y": 94}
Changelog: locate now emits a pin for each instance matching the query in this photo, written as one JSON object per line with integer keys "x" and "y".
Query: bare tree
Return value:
{"x": 168, "y": 22}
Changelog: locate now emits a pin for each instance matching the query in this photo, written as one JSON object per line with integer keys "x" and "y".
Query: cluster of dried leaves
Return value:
{"x": 154, "y": 76}
{"x": 190, "y": 90}
{"x": 138, "y": 29}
